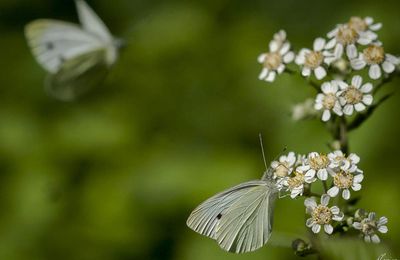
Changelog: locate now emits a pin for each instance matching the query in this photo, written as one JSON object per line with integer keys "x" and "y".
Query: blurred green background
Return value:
{"x": 115, "y": 174}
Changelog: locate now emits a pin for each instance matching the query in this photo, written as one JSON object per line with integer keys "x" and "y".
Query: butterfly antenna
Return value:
{"x": 262, "y": 151}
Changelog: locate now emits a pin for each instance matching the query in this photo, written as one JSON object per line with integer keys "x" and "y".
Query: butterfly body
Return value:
{"x": 76, "y": 57}
{"x": 240, "y": 218}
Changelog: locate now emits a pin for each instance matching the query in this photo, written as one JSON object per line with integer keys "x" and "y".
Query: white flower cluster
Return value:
{"x": 369, "y": 226}
{"x": 359, "y": 41}
{"x": 293, "y": 172}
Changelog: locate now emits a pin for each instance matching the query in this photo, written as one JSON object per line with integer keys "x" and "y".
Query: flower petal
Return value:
{"x": 375, "y": 239}
{"x": 374, "y": 72}
{"x": 358, "y": 178}
{"x": 356, "y": 81}
{"x": 358, "y": 64}
{"x": 323, "y": 173}
{"x": 366, "y": 88}
{"x": 382, "y": 221}
{"x": 263, "y": 74}
{"x": 356, "y": 186}
{"x": 371, "y": 216}
{"x": 316, "y": 228}
{"x": 383, "y": 229}
{"x": 320, "y": 72}
{"x": 335, "y": 210}
{"x": 271, "y": 76}
{"x": 285, "y": 48}
{"x": 388, "y": 67}
{"x": 309, "y": 222}
{"x": 261, "y": 57}
{"x": 357, "y": 225}
{"x": 326, "y": 115}
{"x": 333, "y": 192}
{"x": 351, "y": 51}
{"x": 348, "y": 110}
{"x": 359, "y": 107}
{"x": 367, "y": 99}
{"x": 346, "y": 194}
{"x": 306, "y": 72}
{"x": 289, "y": 57}
{"x": 319, "y": 44}
{"x": 328, "y": 229}
{"x": 310, "y": 203}
{"x": 325, "y": 199}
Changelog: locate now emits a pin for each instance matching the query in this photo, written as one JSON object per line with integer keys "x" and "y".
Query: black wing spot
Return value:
{"x": 219, "y": 216}
{"x": 50, "y": 46}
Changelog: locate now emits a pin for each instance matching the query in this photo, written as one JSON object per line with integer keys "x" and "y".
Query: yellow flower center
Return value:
{"x": 343, "y": 180}
{"x": 329, "y": 101}
{"x": 296, "y": 181}
{"x": 346, "y": 35}
{"x": 272, "y": 60}
{"x": 353, "y": 95}
{"x": 318, "y": 162}
{"x": 358, "y": 24}
{"x": 374, "y": 54}
{"x": 368, "y": 227}
{"x": 313, "y": 59}
{"x": 282, "y": 170}
{"x": 322, "y": 215}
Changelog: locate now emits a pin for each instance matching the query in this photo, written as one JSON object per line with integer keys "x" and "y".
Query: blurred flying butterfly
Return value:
{"x": 76, "y": 57}
{"x": 240, "y": 218}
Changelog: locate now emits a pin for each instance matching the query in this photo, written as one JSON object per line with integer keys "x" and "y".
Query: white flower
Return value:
{"x": 364, "y": 24}
{"x": 347, "y": 36}
{"x": 355, "y": 96}
{"x": 312, "y": 60}
{"x": 344, "y": 180}
{"x": 321, "y": 214}
{"x": 295, "y": 183}
{"x": 328, "y": 100}
{"x": 284, "y": 166}
{"x": 340, "y": 162}
{"x": 274, "y": 61}
{"x": 316, "y": 164}
{"x": 375, "y": 57}
{"x": 370, "y": 226}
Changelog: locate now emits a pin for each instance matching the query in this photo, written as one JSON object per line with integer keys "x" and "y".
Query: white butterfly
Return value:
{"x": 75, "y": 57}
{"x": 240, "y": 218}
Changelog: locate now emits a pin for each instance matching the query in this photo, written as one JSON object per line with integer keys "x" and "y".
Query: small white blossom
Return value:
{"x": 317, "y": 164}
{"x": 322, "y": 215}
{"x": 364, "y": 25}
{"x": 313, "y": 60}
{"x": 274, "y": 61}
{"x": 340, "y": 162}
{"x": 284, "y": 166}
{"x": 369, "y": 227}
{"x": 346, "y": 36}
{"x": 295, "y": 183}
{"x": 375, "y": 57}
{"x": 328, "y": 100}
{"x": 355, "y": 96}
{"x": 344, "y": 180}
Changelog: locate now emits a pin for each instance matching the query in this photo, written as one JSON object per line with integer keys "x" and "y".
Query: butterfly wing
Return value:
{"x": 247, "y": 224}
{"x": 52, "y": 42}
{"x": 77, "y": 75}
{"x": 91, "y": 22}
{"x": 206, "y": 216}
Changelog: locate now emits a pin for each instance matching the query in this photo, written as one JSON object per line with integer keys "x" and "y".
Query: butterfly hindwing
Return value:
{"x": 77, "y": 75}
{"x": 247, "y": 224}
{"x": 206, "y": 216}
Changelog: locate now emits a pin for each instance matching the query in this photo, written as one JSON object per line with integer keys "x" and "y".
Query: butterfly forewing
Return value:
{"x": 206, "y": 216}
{"x": 247, "y": 224}
{"x": 91, "y": 22}
{"x": 53, "y": 42}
